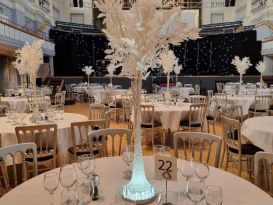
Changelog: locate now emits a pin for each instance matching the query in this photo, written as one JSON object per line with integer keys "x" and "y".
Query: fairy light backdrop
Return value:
{"x": 210, "y": 55}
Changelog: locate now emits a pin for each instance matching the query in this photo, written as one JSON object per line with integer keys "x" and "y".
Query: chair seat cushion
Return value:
{"x": 79, "y": 151}
{"x": 40, "y": 158}
{"x": 209, "y": 117}
{"x": 247, "y": 149}
{"x": 271, "y": 107}
{"x": 253, "y": 110}
{"x": 186, "y": 123}
{"x": 156, "y": 124}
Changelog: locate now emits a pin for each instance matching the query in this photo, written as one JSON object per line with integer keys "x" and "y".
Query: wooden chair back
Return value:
{"x": 100, "y": 138}
{"x": 232, "y": 133}
{"x": 197, "y": 114}
{"x": 97, "y": 111}
{"x": 267, "y": 160}
{"x": 198, "y": 99}
{"x": 79, "y": 132}
{"x": 45, "y": 137}
{"x": 199, "y": 146}
{"x": 11, "y": 177}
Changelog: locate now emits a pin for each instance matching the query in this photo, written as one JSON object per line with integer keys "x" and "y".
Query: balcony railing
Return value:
{"x": 257, "y": 4}
{"x": 13, "y": 25}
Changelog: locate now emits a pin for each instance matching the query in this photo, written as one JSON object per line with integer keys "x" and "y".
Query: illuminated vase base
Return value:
{"x": 139, "y": 197}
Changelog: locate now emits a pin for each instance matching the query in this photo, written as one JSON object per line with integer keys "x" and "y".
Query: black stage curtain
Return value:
{"x": 210, "y": 55}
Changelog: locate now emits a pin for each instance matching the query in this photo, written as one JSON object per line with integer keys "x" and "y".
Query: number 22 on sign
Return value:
{"x": 166, "y": 168}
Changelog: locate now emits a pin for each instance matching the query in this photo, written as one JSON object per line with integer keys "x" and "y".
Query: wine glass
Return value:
{"x": 128, "y": 156}
{"x": 187, "y": 168}
{"x": 51, "y": 182}
{"x": 202, "y": 170}
{"x": 22, "y": 116}
{"x": 86, "y": 164}
{"x": 9, "y": 114}
{"x": 67, "y": 176}
{"x": 214, "y": 195}
{"x": 61, "y": 111}
{"x": 196, "y": 189}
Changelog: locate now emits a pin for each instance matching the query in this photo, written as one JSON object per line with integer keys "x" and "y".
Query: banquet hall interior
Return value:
{"x": 136, "y": 102}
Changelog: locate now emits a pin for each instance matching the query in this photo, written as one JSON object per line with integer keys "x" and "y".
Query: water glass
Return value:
{"x": 214, "y": 195}
{"x": 196, "y": 189}
{"x": 51, "y": 182}
{"x": 202, "y": 170}
{"x": 68, "y": 197}
{"x": 67, "y": 176}
{"x": 169, "y": 198}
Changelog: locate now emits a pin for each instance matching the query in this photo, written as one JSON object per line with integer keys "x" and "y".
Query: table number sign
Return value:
{"x": 166, "y": 168}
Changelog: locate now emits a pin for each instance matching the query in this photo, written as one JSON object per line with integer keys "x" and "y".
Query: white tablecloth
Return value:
{"x": 18, "y": 103}
{"x": 170, "y": 116}
{"x": 259, "y": 131}
{"x": 244, "y": 101}
{"x": 185, "y": 92}
{"x": 236, "y": 191}
{"x": 64, "y": 141}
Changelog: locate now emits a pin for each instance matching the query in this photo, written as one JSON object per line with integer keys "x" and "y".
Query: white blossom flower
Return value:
{"x": 88, "y": 70}
{"x": 241, "y": 65}
{"x": 260, "y": 67}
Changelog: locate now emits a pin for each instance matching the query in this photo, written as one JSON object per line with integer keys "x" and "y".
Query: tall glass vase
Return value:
{"x": 138, "y": 190}
{"x": 168, "y": 94}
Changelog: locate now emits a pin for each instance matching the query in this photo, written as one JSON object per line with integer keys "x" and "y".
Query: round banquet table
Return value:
{"x": 235, "y": 190}
{"x": 244, "y": 101}
{"x": 259, "y": 131}
{"x": 19, "y": 103}
{"x": 170, "y": 116}
{"x": 64, "y": 141}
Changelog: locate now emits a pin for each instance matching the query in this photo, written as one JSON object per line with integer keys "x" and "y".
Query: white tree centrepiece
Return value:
{"x": 168, "y": 60}
{"x": 29, "y": 59}
{"x": 111, "y": 69}
{"x": 136, "y": 39}
{"x": 88, "y": 71}
{"x": 261, "y": 68}
{"x": 241, "y": 65}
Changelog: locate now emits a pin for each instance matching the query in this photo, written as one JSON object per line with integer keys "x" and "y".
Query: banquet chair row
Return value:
{"x": 94, "y": 138}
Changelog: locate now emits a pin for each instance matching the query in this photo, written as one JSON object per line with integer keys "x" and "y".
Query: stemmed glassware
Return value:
{"x": 67, "y": 176}
{"x": 187, "y": 168}
{"x": 22, "y": 116}
{"x": 202, "y": 170}
{"x": 196, "y": 189}
{"x": 214, "y": 195}
{"x": 51, "y": 182}
{"x": 86, "y": 163}
{"x": 128, "y": 156}
{"x": 61, "y": 111}
{"x": 9, "y": 114}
